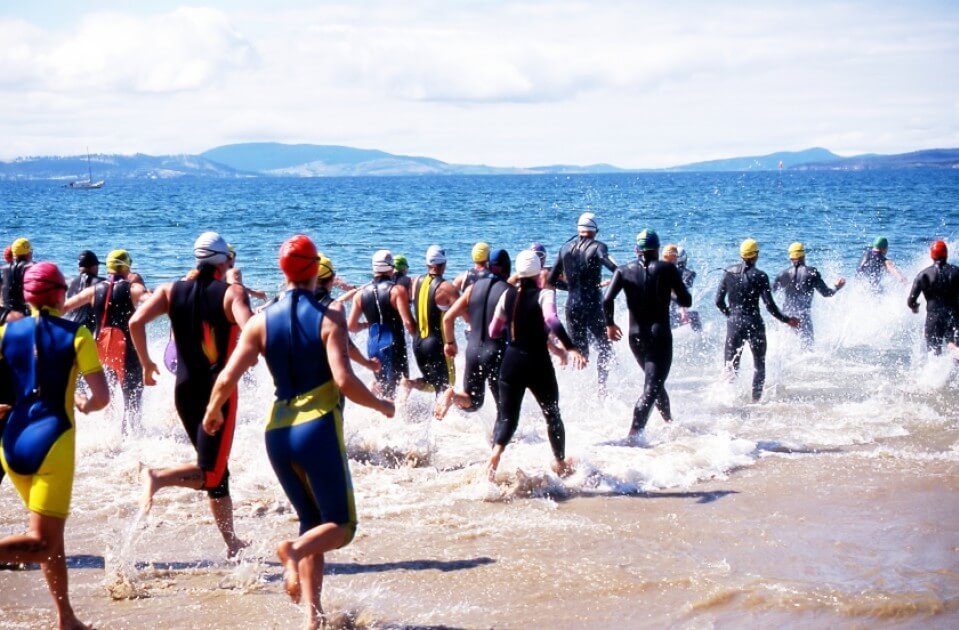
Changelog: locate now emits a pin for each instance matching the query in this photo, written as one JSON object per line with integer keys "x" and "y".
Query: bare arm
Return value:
{"x": 157, "y": 305}
{"x": 236, "y": 305}
{"x": 401, "y": 302}
{"x": 353, "y": 325}
{"x": 895, "y": 271}
{"x": 83, "y": 298}
{"x": 99, "y": 393}
{"x": 251, "y": 344}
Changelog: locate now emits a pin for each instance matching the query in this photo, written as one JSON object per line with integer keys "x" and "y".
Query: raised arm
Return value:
{"x": 157, "y": 305}
{"x": 353, "y": 324}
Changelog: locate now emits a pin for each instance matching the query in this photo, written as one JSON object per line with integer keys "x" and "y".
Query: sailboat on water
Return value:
{"x": 88, "y": 183}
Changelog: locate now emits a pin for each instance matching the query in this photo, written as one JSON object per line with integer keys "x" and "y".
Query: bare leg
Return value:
{"x": 563, "y": 467}
{"x": 222, "y": 509}
{"x": 186, "y": 476}
{"x": 311, "y": 574}
{"x": 314, "y": 542}
{"x": 494, "y": 462}
{"x": 43, "y": 543}
{"x": 444, "y": 401}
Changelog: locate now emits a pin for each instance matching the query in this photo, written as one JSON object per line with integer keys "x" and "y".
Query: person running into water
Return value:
{"x": 401, "y": 268}
{"x": 480, "y": 256}
{"x": 432, "y": 297}
{"x": 326, "y": 279}
{"x": 205, "y": 313}
{"x": 874, "y": 265}
{"x": 14, "y": 304}
{"x": 939, "y": 284}
{"x": 305, "y": 345}
{"x": 649, "y": 284}
{"x": 235, "y": 276}
{"x": 680, "y": 315}
{"x": 528, "y": 314}
{"x": 113, "y": 302}
{"x": 385, "y": 306}
{"x": 89, "y": 274}
{"x": 745, "y": 285}
{"x": 799, "y": 283}
{"x": 580, "y": 263}
{"x": 484, "y": 355}
{"x": 45, "y": 354}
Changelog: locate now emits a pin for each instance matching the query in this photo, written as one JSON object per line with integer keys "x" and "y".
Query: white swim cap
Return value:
{"x": 435, "y": 255}
{"x": 210, "y": 249}
{"x": 587, "y": 221}
{"x": 382, "y": 261}
{"x": 528, "y": 264}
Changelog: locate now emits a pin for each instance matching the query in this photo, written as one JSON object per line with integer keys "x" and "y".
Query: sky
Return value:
{"x": 636, "y": 84}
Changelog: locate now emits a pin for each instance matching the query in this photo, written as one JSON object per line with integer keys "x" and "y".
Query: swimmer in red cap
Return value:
{"x": 939, "y": 284}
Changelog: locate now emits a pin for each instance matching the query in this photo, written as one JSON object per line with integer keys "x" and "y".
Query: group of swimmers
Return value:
{"x": 512, "y": 329}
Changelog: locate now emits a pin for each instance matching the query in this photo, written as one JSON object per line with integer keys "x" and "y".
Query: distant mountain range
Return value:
{"x": 270, "y": 159}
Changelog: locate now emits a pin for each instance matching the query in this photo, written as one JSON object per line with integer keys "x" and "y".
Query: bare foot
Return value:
{"x": 72, "y": 623}
{"x": 491, "y": 467}
{"x": 291, "y": 570}
{"x": 148, "y": 480}
{"x": 563, "y": 468}
{"x": 443, "y": 404}
{"x": 235, "y": 548}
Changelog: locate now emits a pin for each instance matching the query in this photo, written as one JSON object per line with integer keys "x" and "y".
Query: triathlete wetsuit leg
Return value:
{"x": 482, "y": 367}
{"x": 521, "y": 371}
{"x": 739, "y": 332}
{"x": 433, "y": 362}
{"x": 213, "y": 451}
{"x": 654, "y": 353}
{"x": 940, "y": 329}
{"x": 584, "y": 321}
{"x": 132, "y": 389}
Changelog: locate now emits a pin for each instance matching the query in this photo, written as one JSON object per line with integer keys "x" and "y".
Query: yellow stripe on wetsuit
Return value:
{"x": 423, "y": 307}
{"x": 311, "y": 405}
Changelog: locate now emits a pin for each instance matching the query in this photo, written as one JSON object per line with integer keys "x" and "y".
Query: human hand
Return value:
{"x": 212, "y": 421}
{"x": 150, "y": 371}
{"x": 387, "y": 408}
{"x": 579, "y": 361}
{"x": 793, "y": 322}
{"x": 450, "y": 349}
{"x": 614, "y": 332}
{"x": 840, "y": 283}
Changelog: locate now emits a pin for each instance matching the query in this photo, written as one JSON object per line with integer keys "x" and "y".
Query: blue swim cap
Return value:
{"x": 499, "y": 262}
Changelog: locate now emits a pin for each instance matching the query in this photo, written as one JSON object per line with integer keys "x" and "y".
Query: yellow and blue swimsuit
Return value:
{"x": 304, "y": 433}
{"x": 44, "y": 354}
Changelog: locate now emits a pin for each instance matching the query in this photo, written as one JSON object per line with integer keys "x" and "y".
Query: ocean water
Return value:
{"x": 866, "y": 393}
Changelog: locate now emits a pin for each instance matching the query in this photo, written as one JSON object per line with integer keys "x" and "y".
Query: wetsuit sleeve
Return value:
{"x": 820, "y": 285}
{"x": 557, "y": 271}
{"x": 767, "y": 297}
{"x": 88, "y": 361}
{"x": 721, "y": 295}
{"x": 683, "y": 297}
{"x": 913, "y": 301}
{"x": 547, "y": 303}
{"x": 609, "y": 299}
{"x": 602, "y": 252}
{"x": 497, "y": 325}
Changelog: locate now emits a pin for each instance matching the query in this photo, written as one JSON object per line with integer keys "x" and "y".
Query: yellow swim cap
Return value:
{"x": 21, "y": 247}
{"x": 749, "y": 248}
{"x": 481, "y": 252}
{"x": 324, "y": 269}
{"x": 118, "y": 259}
{"x": 796, "y": 251}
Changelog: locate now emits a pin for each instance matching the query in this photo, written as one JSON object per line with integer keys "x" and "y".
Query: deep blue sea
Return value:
{"x": 836, "y": 214}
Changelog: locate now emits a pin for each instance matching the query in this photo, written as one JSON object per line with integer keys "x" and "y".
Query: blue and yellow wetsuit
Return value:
{"x": 44, "y": 354}
{"x": 304, "y": 435}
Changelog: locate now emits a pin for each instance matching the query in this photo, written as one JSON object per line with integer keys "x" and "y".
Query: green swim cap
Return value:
{"x": 647, "y": 240}
{"x": 880, "y": 243}
{"x": 400, "y": 262}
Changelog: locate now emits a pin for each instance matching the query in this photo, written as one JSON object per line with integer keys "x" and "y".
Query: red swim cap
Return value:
{"x": 939, "y": 251}
{"x": 299, "y": 258}
{"x": 43, "y": 284}
{"x": 8, "y": 255}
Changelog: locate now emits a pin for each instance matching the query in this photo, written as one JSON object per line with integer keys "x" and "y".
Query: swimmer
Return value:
{"x": 649, "y": 284}
{"x": 401, "y": 276}
{"x": 480, "y": 256}
{"x": 939, "y": 284}
{"x": 800, "y": 283}
{"x": 385, "y": 308}
{"x": 305, "y": 345}
{"x": 14, "y": 304}
{"x": 88, "y": 275}
{"x": 484, "y": 355}
{"x": 205, "y": 314}
{"x": 113, "y": 303}
{"x": 325, "y": 281}
{"x": 47, "y": 354}
{"x": 433, "y": 295}
{"x": 680, "y": 315}
{"x": 580, "y": 262}
{"x": 528, "y": 314}
{"x": 745, "y": 285}
{"x": 874, "y": 265}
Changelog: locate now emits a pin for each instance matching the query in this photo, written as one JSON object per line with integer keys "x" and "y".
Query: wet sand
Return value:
{"x": 847, "y": 539}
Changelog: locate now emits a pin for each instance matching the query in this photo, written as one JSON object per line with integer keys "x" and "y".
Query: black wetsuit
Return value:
{"x": 484, "y": 355}
{"x": 205, "y": 338}
{"x": 83, "y": 314}
{"x": 527, "y": 365}
{"x": 581, "y": 261}
{"x": 872, "y": 267}
{"x": 745, "y": 285}
{"x": 428, "y": 341}
{"x": 649, "y": 287}
{"x": 675, "y": 319}
{"x": 799, "y": 283}
{"x": 377, "y": 309}
{"x": 12, "y": 290}
{"x": 939, "y": 284}
{"x": 118, "y": 314}
{"x": 473, "y": 275}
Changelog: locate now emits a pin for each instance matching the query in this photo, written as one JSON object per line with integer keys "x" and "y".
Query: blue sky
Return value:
{"x": 637, "y": 84}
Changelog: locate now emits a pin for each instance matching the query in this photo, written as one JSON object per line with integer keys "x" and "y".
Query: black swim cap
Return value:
{"x": 87, "y": 259}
